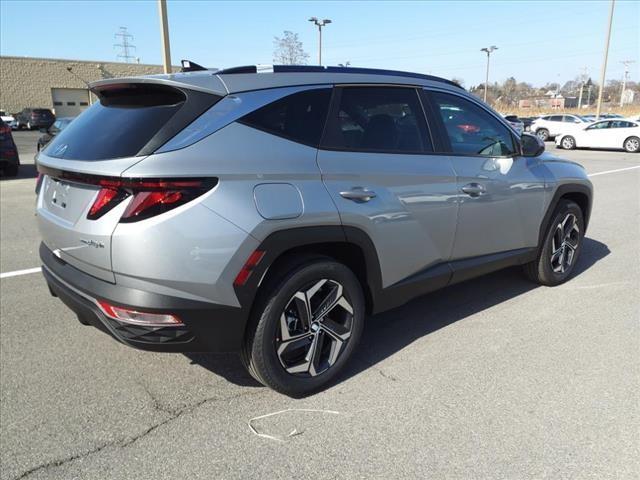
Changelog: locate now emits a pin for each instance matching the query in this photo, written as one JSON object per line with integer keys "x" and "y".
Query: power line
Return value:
{"x": 125, "y": 46}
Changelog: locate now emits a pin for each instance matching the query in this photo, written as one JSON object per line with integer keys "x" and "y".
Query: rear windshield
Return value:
{"x": 42, "y": 111}
{"x": 119, "y": 125}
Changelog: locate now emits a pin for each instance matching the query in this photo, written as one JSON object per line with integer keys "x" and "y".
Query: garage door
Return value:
{"x": 69, "y": 102}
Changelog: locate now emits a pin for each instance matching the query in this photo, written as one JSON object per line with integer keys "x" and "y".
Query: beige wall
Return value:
{"x": 27, "y": 82}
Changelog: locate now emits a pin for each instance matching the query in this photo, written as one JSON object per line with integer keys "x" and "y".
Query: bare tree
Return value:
{"x": 288, "y": 50}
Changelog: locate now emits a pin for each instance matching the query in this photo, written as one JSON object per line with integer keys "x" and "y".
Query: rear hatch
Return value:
{"x": 42, "y": 116}
{"x": 80, "y": 201}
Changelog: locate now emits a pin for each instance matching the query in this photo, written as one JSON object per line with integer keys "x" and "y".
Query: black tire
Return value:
{"x": 632, "y": 145}
{"x": 542, "y": 270}
{"x": 543, "y": 134}
{"x": 11, "y": 170}
{"x": 263, "y": 339}
{"x": 568, "y": 142}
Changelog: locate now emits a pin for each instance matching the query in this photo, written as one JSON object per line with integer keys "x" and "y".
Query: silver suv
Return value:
{"x": 269, "y": 211}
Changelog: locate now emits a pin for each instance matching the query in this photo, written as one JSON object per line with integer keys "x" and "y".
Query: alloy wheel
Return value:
{"x": 314, "y": 328}
{"x": 564, "y": 244}
{"x": 632, "y": 145}
{"x": 567, "y": 143}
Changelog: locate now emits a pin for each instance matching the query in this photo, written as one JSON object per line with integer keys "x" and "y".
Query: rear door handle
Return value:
{"x": 358, "y": 194}
{"x": 474, "y": 189}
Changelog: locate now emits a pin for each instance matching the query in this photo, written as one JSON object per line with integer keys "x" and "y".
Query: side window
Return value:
{"x": 571, "y": 119}
{"x": 299, "y": 117}
{"x": 599, "y": 125}
{"x": 471, "y": 129}
{"x": 555, "y": 118}
{"x": 378, "y": 119}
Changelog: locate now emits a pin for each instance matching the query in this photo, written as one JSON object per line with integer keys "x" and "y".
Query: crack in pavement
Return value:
{"x": 126, "y": 442}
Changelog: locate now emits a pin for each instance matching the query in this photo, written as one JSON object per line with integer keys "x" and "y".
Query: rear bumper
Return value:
{"x": 208, "y": 327}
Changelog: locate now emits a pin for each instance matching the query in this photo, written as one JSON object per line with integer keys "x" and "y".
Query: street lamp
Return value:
{"x": 488, "y": 50}
{"x": 320, "y": 24}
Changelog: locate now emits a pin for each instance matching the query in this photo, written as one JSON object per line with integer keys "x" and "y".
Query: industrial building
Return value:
{"x": 47, "y": 82}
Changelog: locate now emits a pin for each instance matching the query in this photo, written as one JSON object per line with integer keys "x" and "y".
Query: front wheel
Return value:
{"x": 568, "y": 142}
{"x": 561, "y": 246}
{"x": 305, "y": 326}
{"x": 632, "y": 144}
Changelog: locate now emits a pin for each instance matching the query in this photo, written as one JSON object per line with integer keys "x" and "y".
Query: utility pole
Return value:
{"x": 488, "y": 50}
{"x": 604, "y": 61}
{"x": 626, "y": 64}
{"x": 164, "y": 33}
{"x": 124, "y": 44}
{"x": 583, "y": 78}
{"x": 319, "y": 24}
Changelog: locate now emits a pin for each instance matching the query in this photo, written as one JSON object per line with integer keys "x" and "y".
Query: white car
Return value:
{"x": 8, "y": 119}
{"x": 550, "y": 126}
{"x": 614, "y": 134}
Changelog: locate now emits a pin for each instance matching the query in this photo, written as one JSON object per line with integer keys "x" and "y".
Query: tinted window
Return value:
{"x": 621, "y": 124}
{"x": 555, "y": 118}
{"x": 471, "y": 129}
{"x": 512, "y": 118}
{"x": 119, "y": 125}
{"x": 599, "y": 125}
{"x": 299, "y": 117}
{"x": 378, "y": 119}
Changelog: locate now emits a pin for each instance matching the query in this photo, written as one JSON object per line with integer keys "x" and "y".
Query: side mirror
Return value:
{"x": 532, "y": 146}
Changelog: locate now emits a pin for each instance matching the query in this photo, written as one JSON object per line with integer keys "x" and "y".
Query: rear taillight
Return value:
{"x": 150, "y": 196}
{"x": 128, "y": 315}
{"x": 5, "y": 129}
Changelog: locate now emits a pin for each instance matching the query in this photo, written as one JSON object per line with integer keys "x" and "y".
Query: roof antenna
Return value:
{"x": 189, "y": 66}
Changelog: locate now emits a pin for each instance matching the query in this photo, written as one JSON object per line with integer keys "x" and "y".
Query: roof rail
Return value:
{"x": 319, "y": 69}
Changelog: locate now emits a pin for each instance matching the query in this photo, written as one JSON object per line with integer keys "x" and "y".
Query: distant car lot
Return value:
{"x": 493, "y": 378}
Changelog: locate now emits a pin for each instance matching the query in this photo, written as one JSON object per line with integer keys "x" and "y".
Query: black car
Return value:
{"x": 9, "y": 160}
{"x": 31, "y": 118}
{"x": 48, "y": 133}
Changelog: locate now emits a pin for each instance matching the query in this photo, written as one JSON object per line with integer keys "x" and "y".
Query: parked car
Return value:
{"x": 611, "y": 115}
{"x": 526, "y": 122}
{"x": 9, "y": 159}
{"x": 548, "y": 126}
{"x": 31, "y": 118}
{"x": 6, "y": 118}
{"x": 515, "y": 122}
{"x": 270, "y": 213}
{"x": 48, "y": 133}
{"x": 611, "y": 134}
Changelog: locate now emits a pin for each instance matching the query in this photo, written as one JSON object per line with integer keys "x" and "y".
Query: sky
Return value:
{"x": 538, "y": 41}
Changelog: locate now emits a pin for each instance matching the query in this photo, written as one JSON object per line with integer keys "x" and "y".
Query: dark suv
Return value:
{"x": 31, "y": 118}
{"x": 9, "y": 161}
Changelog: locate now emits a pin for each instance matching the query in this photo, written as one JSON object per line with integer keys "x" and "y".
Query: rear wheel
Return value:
{"x": 543, "y": 134}
{"x": 632, "y": 144}
{"x": 561, "y": 246}
{"x": 305, "y": 326}
{"x": 568, "y": 142}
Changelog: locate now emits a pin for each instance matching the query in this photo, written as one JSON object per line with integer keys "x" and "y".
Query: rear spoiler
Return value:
{"x": 205, "y": 81}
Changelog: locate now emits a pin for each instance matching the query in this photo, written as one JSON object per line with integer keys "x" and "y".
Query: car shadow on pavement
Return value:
{"x": 28, "y": 170}
{"x": 392, "y": 331}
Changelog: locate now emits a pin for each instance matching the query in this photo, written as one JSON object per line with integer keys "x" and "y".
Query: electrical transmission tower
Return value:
{"x": 125, "y": 45}
{"x": 626, "y": 64}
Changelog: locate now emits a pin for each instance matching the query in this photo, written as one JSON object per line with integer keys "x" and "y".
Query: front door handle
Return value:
{"x": 474, "y": 189}
{"x": 358, "y": 194}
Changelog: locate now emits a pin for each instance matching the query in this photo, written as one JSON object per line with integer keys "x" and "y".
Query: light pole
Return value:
{"x": 320, "y": 24}
{"x": 488, "y": 50}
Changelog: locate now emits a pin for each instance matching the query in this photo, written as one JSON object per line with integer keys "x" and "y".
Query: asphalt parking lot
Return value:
{"x": 493, "y": 378}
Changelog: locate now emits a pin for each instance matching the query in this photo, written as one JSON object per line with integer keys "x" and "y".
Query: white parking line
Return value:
{"x": 17, "y": 273}
{"x": 613, "y": 171}
{"x": 28, "y": 271}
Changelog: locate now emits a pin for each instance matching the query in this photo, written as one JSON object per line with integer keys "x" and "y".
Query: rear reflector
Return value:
{"x": 135, "y": 317}
{"x": 248, "y": 267}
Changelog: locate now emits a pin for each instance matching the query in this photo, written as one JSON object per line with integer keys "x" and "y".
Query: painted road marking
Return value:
{"x": 613, "y": 171}
{"x": 17, "y": 273}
